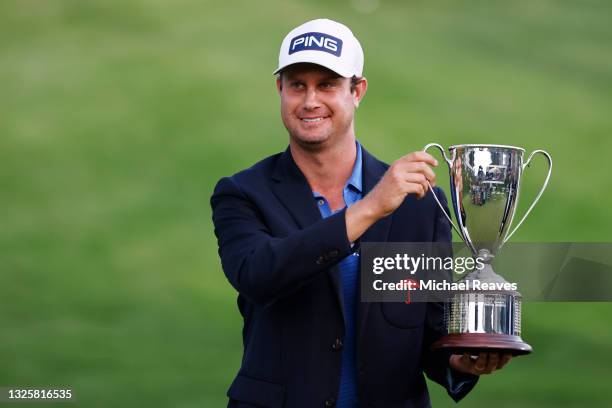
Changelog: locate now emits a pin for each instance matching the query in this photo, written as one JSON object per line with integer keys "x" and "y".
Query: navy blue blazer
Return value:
{"x": 281, "y": 257}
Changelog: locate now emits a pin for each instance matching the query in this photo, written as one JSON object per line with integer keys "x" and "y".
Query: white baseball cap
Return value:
{"x": 323, "y": 42}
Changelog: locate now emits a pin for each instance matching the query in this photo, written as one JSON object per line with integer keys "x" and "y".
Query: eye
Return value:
{"x": 296, "y": 85}
{"x": 326, "y": 85}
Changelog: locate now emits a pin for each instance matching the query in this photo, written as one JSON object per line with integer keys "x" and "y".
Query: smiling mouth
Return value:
{"x": 311, "y": 120}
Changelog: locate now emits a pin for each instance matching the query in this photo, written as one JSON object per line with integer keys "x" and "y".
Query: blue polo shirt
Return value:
{"x": 349, "y": 267}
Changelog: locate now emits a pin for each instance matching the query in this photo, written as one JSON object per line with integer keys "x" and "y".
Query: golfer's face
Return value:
{"x": 317, "y": 105}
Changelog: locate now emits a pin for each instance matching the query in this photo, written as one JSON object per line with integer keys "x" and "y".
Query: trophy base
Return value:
{"x": 475, "y": 343}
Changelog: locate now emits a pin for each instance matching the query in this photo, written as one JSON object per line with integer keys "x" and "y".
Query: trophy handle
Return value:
{"x": 449, "y": 163}
{"x": 541, "y": 190}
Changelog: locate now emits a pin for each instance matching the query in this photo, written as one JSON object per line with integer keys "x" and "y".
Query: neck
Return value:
{"x": 326, "y": 169}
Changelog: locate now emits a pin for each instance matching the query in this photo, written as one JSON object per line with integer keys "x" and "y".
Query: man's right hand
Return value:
{"x": 407, "y": 175}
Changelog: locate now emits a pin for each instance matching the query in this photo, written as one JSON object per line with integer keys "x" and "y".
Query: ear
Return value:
{"x": 360, "y": 91}
{"x": 278, "y": 84}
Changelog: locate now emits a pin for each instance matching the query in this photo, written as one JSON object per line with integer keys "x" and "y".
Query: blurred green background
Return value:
{"x": 117, "y": 118}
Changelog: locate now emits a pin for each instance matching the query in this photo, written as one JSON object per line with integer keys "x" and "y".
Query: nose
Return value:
{"x": 311, "y": 100}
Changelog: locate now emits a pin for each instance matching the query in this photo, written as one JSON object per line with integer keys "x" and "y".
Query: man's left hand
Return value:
{"x": 484, "y": 363}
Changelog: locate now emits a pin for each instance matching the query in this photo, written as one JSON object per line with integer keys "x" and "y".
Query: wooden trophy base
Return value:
{"x": 475, "y": 343}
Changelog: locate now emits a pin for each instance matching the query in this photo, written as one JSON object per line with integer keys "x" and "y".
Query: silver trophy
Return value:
{"x": 485, "y": 183}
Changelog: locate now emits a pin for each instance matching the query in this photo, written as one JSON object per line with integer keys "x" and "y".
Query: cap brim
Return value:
{"x": 317, "y": 59}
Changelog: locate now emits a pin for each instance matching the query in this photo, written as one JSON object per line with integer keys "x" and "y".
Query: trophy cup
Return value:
{"x": 485, "y": 182}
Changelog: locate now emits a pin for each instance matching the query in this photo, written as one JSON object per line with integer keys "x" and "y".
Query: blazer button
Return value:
{"x": 337, "y": 346}
{"x": 333, "y": 253}
{"x": 320, "y": 260}
{"x": 330, "y": 402}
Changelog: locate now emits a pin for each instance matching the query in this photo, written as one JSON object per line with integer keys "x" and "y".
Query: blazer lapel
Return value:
{"x": 373, "y": 170}
{"x": 292, "y": 189}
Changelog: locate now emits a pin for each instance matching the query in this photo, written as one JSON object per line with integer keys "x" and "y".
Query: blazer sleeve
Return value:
{"x": 436, "y": 363}
{"x": 264, "y": 268}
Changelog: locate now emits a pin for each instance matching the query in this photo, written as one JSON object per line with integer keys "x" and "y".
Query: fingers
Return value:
{"x": 410, "y": 174}
{"x": 486, "y": 363}
{"x": 466, "y": 359}
{"x": 462, "y": 363}
{"x": 417, "y": 188}
{"x": 420, "y": 157}
{"x": 492, "y": 363}
{"x": 421, "y": 168}
{"x": 405, "y": 169}
{"x": 481, "y": 363}
{"x": 505, "y": 359}
{"x": 417, "y": 183}
{"x": 413, "y": 177}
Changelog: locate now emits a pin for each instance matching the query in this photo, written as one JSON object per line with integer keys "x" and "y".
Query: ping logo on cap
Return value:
{"x": 317, "y": 42}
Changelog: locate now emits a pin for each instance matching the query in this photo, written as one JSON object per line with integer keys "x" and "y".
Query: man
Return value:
{"x": 289, "y": 230}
